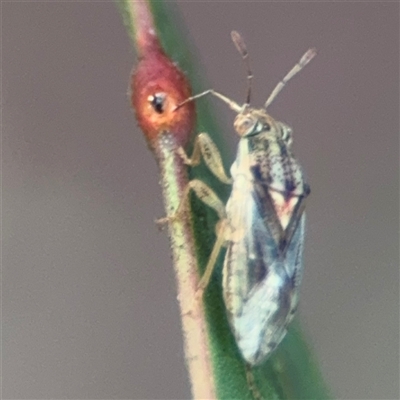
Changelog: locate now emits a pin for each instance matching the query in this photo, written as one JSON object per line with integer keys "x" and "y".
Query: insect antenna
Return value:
{"x": 307, "y": 57}
{"x": 242, "y": 49}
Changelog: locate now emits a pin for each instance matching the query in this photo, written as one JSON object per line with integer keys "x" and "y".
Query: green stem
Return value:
{"x": 174, "y": 181}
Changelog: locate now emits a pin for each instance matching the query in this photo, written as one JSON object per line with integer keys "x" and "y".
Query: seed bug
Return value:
{"x": 262, "y": 224}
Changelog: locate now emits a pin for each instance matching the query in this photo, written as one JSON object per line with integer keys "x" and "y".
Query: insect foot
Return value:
{"x": 161, "y": 222}
{"x": 182, "y": 154}
{"x": 199, "y": 293}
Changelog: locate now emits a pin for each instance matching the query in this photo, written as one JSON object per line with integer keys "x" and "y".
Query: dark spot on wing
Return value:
{"x": 261, "y": 174}
{"x": 256, "y": 172}
{"x": 283, "y": 149}
{"x": 257, "y": 270}
{"x": 289, "y": 187}
{"x": 283, "y": 245}
{"x": 260, "y": 270}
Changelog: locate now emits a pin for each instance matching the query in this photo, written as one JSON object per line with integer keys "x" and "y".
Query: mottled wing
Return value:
{"x": 280, "y": 192}
{"x": 259, "y": 294}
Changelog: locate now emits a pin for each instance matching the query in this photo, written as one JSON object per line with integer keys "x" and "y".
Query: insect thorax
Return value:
{"x": 269, "y": 150}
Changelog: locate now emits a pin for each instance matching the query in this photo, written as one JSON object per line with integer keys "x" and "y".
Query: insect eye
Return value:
{"x": 247, "y": 123}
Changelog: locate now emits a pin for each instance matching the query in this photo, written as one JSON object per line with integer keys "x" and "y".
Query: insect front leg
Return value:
{"x": 204, "y": 146}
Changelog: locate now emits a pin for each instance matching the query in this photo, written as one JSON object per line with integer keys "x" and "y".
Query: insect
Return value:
{"x": 262, "y": 224}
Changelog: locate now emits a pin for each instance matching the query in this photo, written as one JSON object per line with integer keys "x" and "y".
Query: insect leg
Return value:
{"x": 204, "y": 193}
{"x": 252, "y": 383}
{"x": 205, "y": 279}
{"x": 204, "y": 146}
{"x": 207, "y": 195}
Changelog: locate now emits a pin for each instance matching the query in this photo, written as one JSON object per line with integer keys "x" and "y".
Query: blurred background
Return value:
{"x": 89, "y": 300}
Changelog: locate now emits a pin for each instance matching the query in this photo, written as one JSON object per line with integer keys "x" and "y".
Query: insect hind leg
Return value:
{"x": 205, "y": 279}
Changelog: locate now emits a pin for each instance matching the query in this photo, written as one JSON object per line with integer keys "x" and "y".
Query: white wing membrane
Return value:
{"x": 260, "y": 285}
